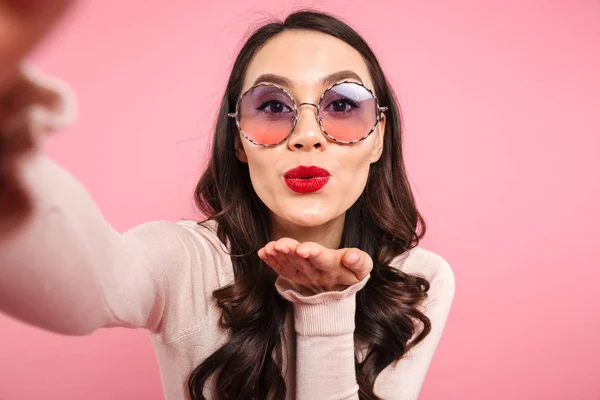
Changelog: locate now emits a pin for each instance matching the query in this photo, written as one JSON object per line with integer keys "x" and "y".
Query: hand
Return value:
{"x": 22, "y": 24}
{"x": 316, "y": 267}
{"x": 24, "y": 113}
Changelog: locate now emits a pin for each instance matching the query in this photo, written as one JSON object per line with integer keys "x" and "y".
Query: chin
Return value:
{"x": 311, "y": 221}
{"x": 307, "y": 219}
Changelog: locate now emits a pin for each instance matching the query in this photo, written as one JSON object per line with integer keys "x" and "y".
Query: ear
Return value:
{"x": 239, "y": 150}
{"x": 379, "y": 135}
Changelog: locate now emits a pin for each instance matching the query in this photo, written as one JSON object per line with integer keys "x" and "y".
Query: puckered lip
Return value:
{"x": 306, "y": 172}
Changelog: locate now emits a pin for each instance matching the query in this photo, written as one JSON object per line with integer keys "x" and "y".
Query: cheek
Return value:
{"x": 353, "y": 172}
{"x": 354, "y": 182}
{"x": 355, "y": 165}
{"x": 262, "y": 175}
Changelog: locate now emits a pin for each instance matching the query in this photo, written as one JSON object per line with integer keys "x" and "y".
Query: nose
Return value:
{"x": 307, "y": 134}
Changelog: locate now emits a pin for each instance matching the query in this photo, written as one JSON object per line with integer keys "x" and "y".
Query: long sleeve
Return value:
{"x": 324, "y": 325}
{"x": 66, "y": 270}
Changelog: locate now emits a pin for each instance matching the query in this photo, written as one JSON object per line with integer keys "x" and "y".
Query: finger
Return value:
{"x": 286, "y": 245}
{"x": 281, "y": 248}
{"x": 13, "y": 144}
{"x": 24, "y": 93}
{"x": 305, "y": 274}
{"x": 273, "y": 254}
{"x": 331, "y": 273}
{"x": 308, "y": 249}
{"x": 283, "y": 261}
{"x": 274, "y": 264}
{"x": 15, "y": 203}
{"x": 304, "y": 266}
{"x": 306, "y": 253}
{"x": 359, "y": 262}
{"x": 270, "y": 248}
{"x": 23, "y": 24}
{"x": 288, "y": 269}
{"x": 323, "y": 259}
{"x": 262, "y": 253}
{"x": 351, "y": 257}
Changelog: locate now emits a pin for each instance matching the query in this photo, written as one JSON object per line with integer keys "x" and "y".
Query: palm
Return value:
{"x": 314, "y": 266}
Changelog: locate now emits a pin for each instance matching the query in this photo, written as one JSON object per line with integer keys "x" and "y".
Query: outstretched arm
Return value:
{"x": 63, "y": 267}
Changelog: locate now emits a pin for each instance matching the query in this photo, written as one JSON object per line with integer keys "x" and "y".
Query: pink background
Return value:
{"x": 501, "y": 103}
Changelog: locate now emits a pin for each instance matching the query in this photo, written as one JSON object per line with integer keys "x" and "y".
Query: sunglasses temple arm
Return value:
{"x": 383, "y": 109}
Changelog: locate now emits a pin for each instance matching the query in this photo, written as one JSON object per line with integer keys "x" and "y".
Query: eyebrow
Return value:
{"x": 325, "y": 81}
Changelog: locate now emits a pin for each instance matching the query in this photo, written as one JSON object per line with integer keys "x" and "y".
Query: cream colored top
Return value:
{"x": 69, "y": 271}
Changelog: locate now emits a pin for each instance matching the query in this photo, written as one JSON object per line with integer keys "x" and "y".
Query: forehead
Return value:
{"x": 305, "y": 57}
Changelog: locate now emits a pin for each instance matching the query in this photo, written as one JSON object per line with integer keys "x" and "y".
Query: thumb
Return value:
{"x": 358, "y": 262}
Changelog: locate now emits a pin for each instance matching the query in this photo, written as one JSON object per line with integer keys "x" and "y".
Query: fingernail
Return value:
{"x": 282, "y": 249}
{"x": 302, "y": 253}
{"x": 352, "y": 258}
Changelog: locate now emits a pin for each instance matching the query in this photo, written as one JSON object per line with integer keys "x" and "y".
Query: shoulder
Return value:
{"x": 185, "y": 249}
{"x": 205, "y": 245}
{"x": 179, "y": 242}
{"x": 187, "y": 235}
{"x": 205, "y": 232}
{"x": 433, "y": 267}
{"x": 189, "y": 263}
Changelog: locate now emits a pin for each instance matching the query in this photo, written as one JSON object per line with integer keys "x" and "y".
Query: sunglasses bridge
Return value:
{"x": 308, "y": 104}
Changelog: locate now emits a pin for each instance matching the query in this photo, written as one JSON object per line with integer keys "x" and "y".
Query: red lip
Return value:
{"x": 306, "y": 179}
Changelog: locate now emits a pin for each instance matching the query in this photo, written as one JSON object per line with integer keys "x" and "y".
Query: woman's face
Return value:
{"x": 305, "y": 58}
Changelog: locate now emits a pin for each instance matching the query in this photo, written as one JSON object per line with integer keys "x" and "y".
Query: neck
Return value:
{"x": 328, "y": 235}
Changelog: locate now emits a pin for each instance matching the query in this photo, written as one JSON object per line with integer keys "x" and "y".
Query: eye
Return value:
{"x": 341, "y": 105}
{"x": 274, "y": 107}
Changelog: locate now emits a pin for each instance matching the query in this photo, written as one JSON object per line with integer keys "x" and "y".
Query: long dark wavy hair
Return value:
{"x": 384, "y": 222}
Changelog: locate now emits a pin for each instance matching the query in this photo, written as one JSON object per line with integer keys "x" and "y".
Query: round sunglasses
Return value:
{"x": 347, "y": 112}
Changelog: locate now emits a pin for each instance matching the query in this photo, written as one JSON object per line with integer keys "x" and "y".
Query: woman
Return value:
{"x": 306, "y": 281}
